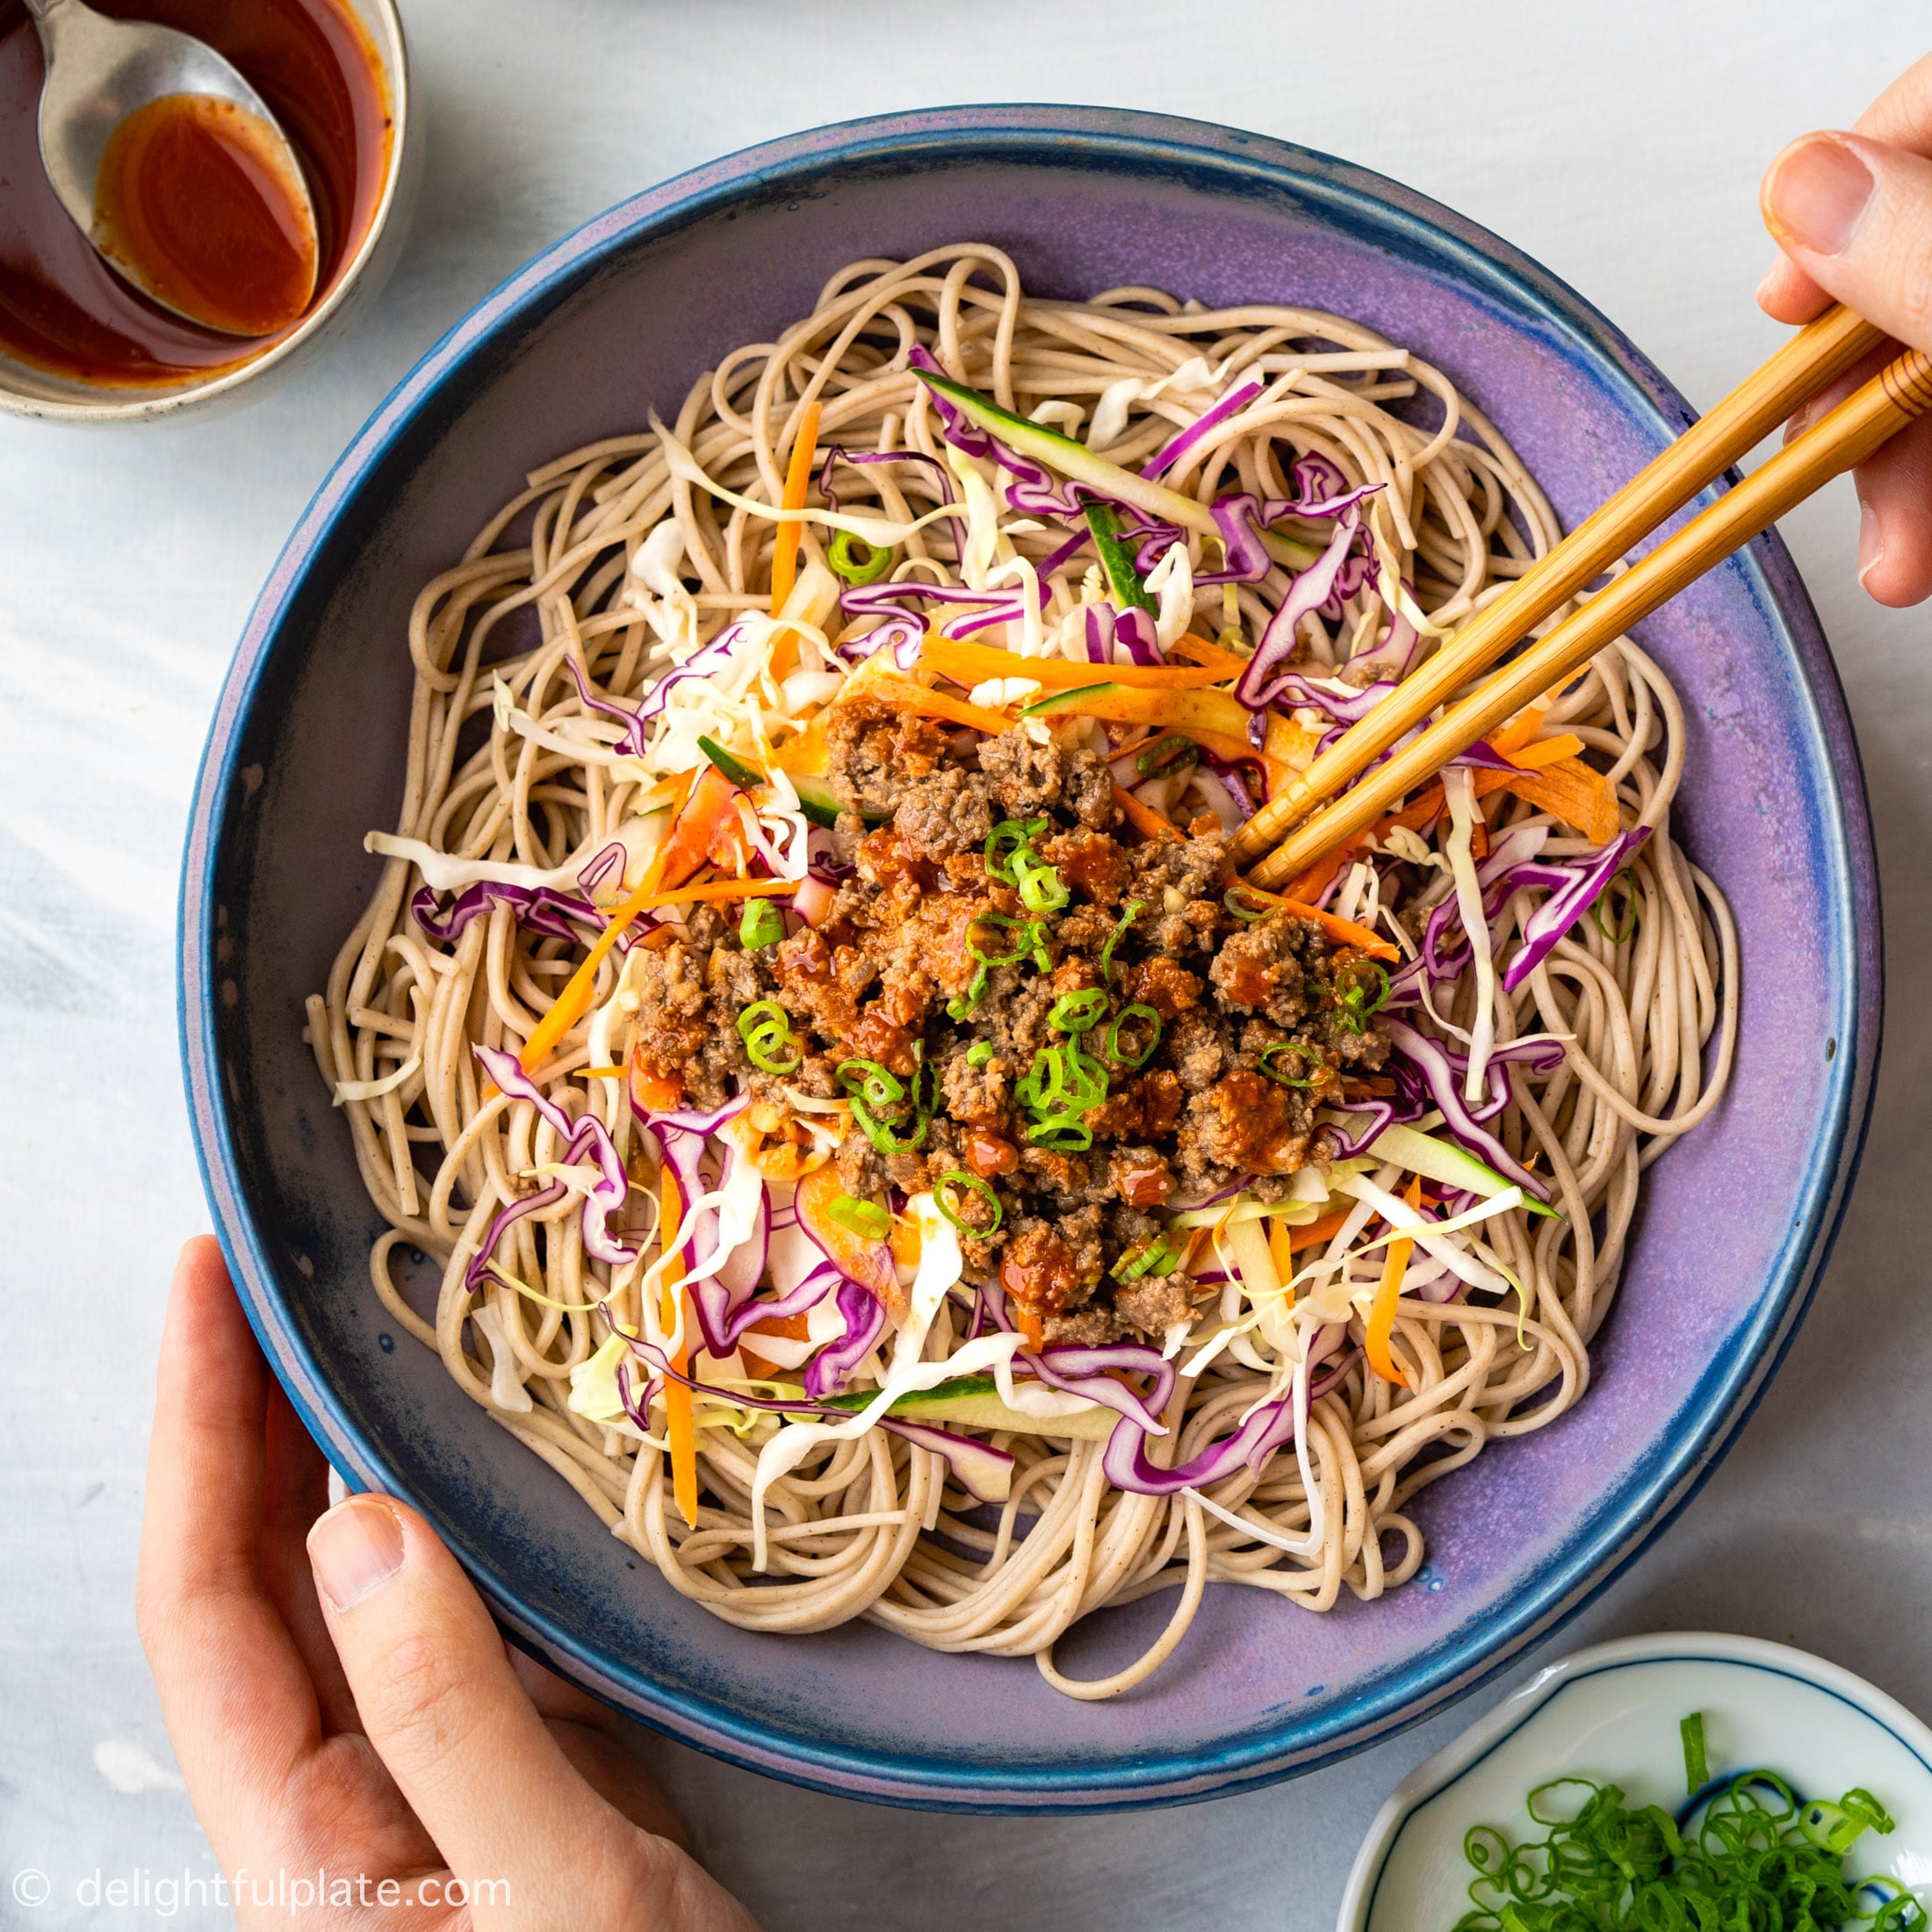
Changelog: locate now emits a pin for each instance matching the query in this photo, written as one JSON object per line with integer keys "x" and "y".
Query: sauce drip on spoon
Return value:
{"x": 194, "y": 197}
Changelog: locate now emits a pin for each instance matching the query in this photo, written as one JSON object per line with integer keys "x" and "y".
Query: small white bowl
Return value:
{"x": 25, "y": 391}
{"x": 1611, "y": 1714}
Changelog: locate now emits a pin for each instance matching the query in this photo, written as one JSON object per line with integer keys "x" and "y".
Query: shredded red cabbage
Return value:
{"x": 832, "y": 1367}
{"x": 586, "y": 1135}
{"x": 556, "y": 915}
{"x": 1432, "y": 1060}
{"x": 1165, "y": 457}
{"x": 1314, "y": 589}
{"x": 1583, "y": 885}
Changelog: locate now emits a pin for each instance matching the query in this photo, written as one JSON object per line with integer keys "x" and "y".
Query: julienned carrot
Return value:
{"x": 573, "y": 1001}
{"x": 1509, "y": 738}
{"x": 1574, "y": 792}
{"x": 677, "y": 1394}
{"x": 892, "y": 689}
{"x": 789, "y": 1327}
{"x": 695, "y": 827}
{"x": 1281, "y": 1248}
{"x": 1347, "y": 931}
{"x": 970, "y": 664}
{"x": 1143, "y": 819}
{"x": 1223, "y": 663}
{"x": 1381, "y": 1315}
{"x": 1546, "y": 751}
{"x": 1423, "y": 810}
{"x": 1191, "y": 709}
{"x": 1316, "y": 1232}
{"x": 784, "y": 549}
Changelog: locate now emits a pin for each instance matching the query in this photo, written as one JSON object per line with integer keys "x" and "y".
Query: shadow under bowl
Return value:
{"x": 306, "y": 755}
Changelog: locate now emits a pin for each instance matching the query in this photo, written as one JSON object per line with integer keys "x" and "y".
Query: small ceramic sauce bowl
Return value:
{"x": 1611, "y": 1714}
{"x": 29, "y": 390}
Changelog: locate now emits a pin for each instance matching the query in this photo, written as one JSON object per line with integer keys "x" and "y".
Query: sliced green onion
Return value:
{"x": 1063, "y": 1134}
{"x": 1135, "y": 1011}
{"x": 1117, "y": 559}
{"x": 1157, "y": 1257}
{"x": 925, "y": 1082}
{"x": 762, "y": 924}
{"x": 1167, "y": 755}
{"x": 1028, "y": 931}
{"x": 1697, "y": 1765}
{"x": 1113, "y": 938}
{"x": 1836, "y": 1828}
{"x": 1299, "y": 1050}
{"x": 1245, "y": 912}
{"x": 1062, "y": 1075}
{"x": 979, "y": 1053}
{"x": 1748, "y": 1857}
{"x": 972, "y": 1184}
{"x": 1007, "y": 841}
{"x": 857, "y": 562}
{"x": 1089, "y": 1077}
{"x": 962, "y": 1004}
{"x": 1627, "y": 929}
{"x": 885, "y": 1134}
{"x": 1043, "y": 1081}
{"x": 1040, "y": 889}
{"x": 864, "y": 1218}
{"x": 764, "y": 1027}
{"x": 1076, "y": 1012}
{"x": 1355, "y": 1005}
{"x": 876, "y": 1084}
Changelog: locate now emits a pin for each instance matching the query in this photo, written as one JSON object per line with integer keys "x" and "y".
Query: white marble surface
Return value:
{"x": 1620, "y": 145}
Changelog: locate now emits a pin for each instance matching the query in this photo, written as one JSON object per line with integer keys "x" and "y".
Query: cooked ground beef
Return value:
{"x": 909, "y": 969}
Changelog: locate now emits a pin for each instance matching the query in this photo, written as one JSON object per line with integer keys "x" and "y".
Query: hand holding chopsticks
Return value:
{"x": 1844, "y": 438}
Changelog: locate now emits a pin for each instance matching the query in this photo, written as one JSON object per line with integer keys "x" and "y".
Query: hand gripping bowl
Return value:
{"x": 306, "y": 755}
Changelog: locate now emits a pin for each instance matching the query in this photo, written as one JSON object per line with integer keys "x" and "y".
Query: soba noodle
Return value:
{"x": 611, "y": 567}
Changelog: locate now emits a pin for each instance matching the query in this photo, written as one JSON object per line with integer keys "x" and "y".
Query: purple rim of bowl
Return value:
{"x": 858, "y": 1713}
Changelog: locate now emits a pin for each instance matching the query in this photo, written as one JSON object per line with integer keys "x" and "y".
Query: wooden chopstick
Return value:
{"x": 1898, "y": 394}
{"x": 1818, "y": 352}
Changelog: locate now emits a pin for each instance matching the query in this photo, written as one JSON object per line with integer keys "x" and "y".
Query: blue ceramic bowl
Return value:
{"x": 306, "y": 754}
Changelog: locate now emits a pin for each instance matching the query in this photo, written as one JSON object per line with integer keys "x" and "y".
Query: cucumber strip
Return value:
{"x": 736, "y": 769}
{"x": 815, "y": 800}
{"x": 1065, "y": 701}
{"x": 1117, "y": 560}
{"x": 973, "y": 1402}
{"x": 1440, "y": 1161}
{"x": 1075, "y": 460}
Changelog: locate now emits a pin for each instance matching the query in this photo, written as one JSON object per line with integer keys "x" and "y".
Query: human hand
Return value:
{"x": 342, "y": 1705}
{"x": 1853, "y": 213}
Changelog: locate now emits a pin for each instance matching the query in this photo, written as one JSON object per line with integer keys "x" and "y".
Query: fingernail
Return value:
{"x": 356, "y": 1549}
{"x": 1871, "y": 541}
{"x": 1817, "y": 190}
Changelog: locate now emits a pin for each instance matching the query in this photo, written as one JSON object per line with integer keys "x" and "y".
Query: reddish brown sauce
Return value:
{"x": 1259, "y": 1131}
{"x": 1040, "y": 1270}
{"x": 61, "y": 307}
{"x": 195, "y": 198}
{"x": 990, "y": 1154}
{"x": 1145, "y": 1187}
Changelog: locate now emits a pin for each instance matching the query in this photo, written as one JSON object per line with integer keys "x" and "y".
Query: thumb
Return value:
{"x": 1855, "y": 215}
{"x": 444, "y": 1711}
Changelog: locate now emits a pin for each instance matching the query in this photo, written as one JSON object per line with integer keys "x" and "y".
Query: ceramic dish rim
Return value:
{"x": 1592, "y": 1558}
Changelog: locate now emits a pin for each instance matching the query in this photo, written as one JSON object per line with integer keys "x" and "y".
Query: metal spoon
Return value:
{"x": 98, "y": 72}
